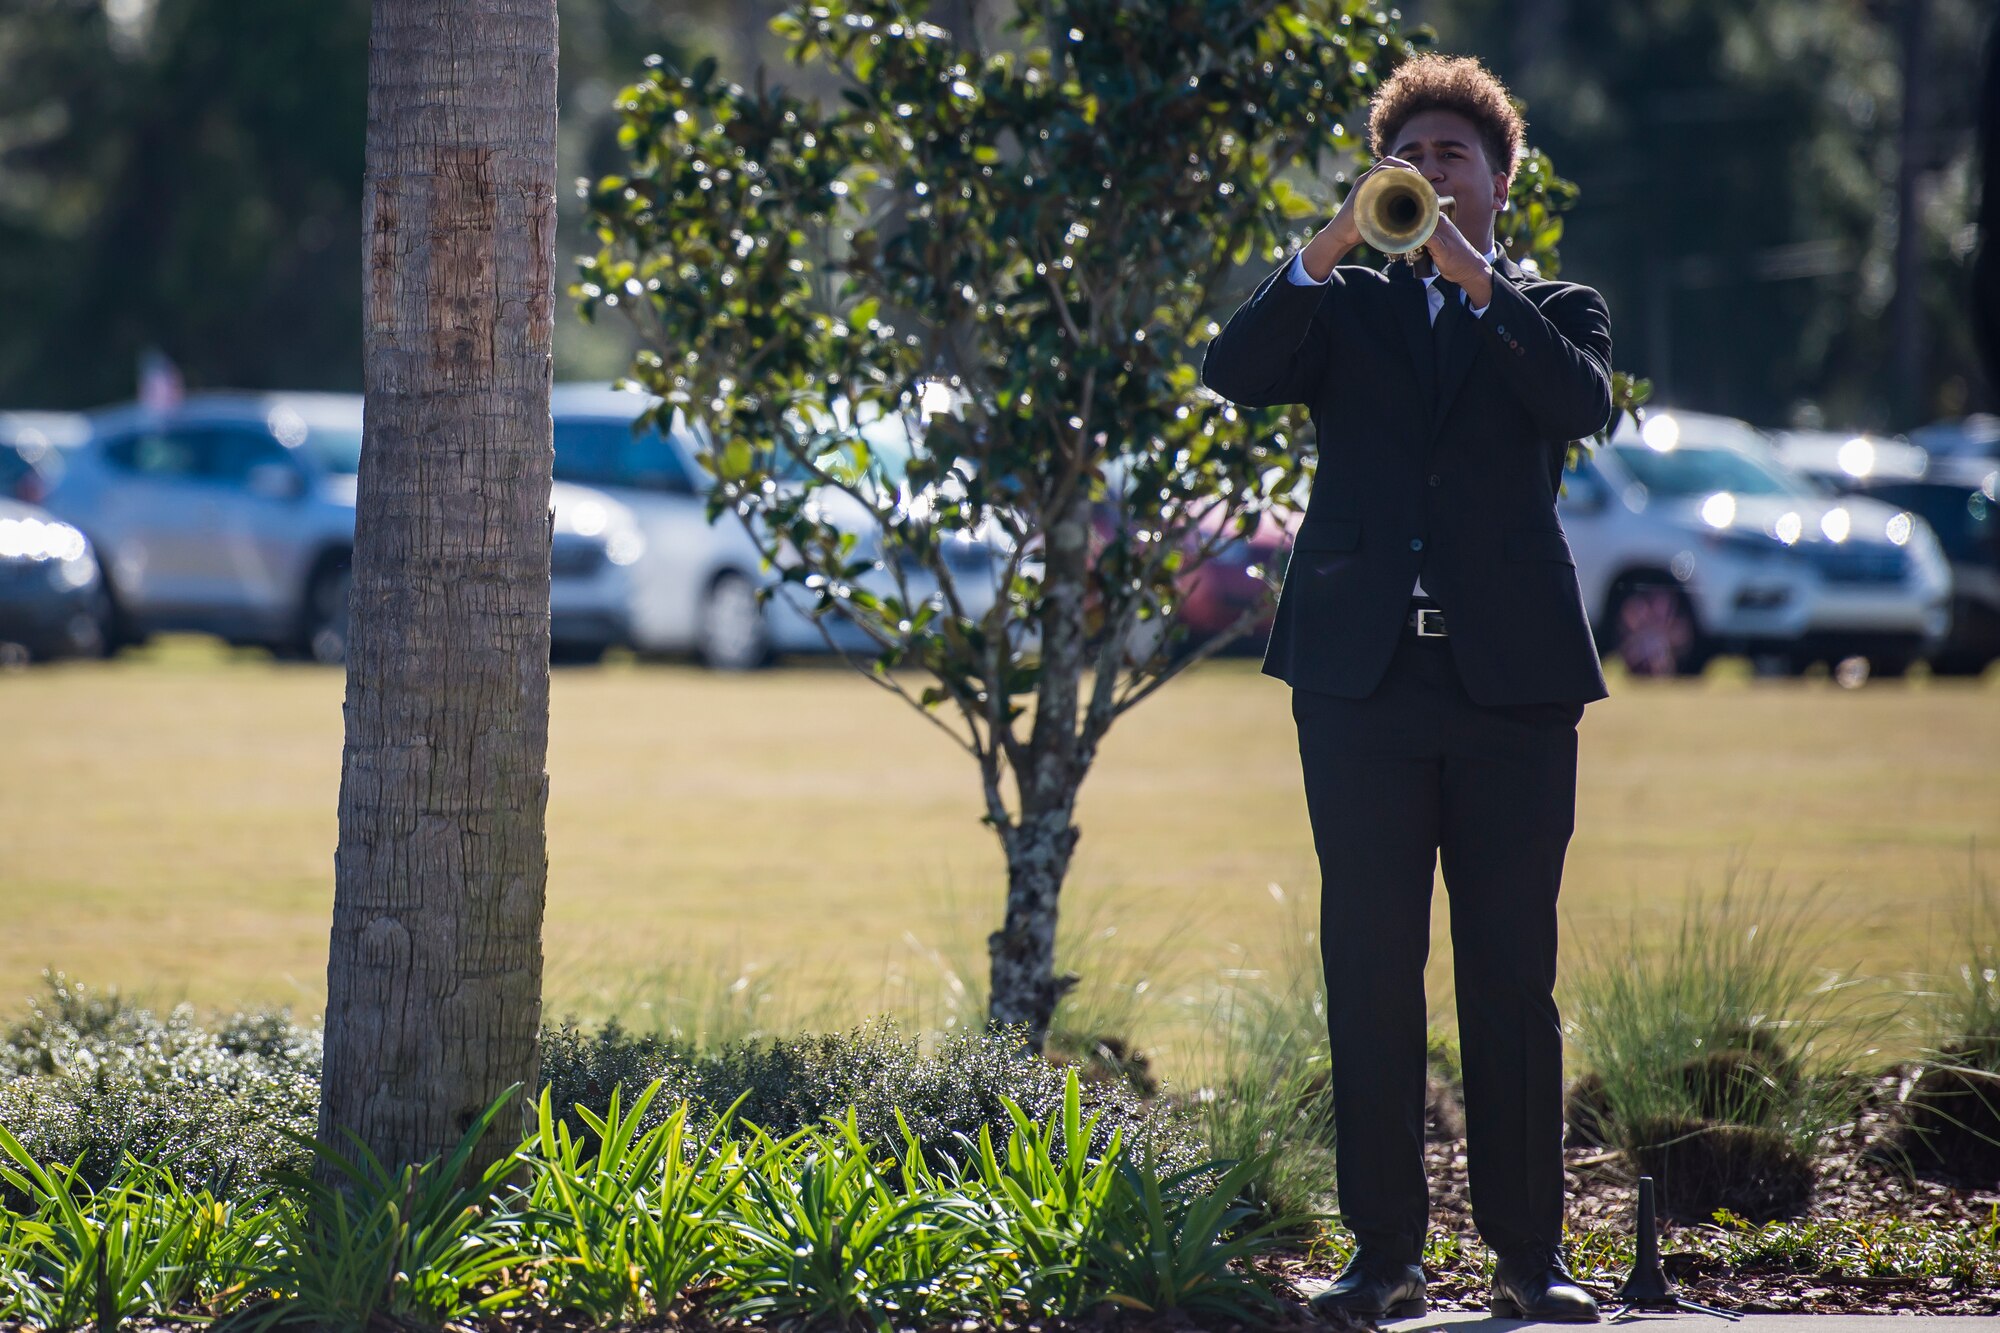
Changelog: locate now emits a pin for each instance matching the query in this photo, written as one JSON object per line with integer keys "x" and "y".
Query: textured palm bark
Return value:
{"x": 434, "y": 975}
{"x": 1024, "y": 987}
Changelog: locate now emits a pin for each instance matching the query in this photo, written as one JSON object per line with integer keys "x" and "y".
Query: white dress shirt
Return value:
{"x": 1296, "y": 272}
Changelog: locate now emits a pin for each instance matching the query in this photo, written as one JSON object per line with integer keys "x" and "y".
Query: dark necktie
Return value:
{"x": 1441, "y": 326}
{"x": 1449, "y": 290}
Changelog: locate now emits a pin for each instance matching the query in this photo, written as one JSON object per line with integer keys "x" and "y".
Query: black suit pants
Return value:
{"x": 1413, "y": 772}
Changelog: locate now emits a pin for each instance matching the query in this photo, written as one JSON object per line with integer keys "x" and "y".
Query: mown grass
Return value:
{"x": 795, "y": 848}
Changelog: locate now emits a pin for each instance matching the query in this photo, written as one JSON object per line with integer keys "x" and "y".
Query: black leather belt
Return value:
{"x": 1427, "y": 621}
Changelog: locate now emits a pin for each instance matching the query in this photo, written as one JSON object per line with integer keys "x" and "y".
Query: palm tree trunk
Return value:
{"x": 434, "y": 975}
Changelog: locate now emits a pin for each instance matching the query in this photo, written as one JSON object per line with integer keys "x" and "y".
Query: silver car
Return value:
{"x": 1692, "y": 538}
{"x": 233, "y": 514}
{"x": 696, "y": 589}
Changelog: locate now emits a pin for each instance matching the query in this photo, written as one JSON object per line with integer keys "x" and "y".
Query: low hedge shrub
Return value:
{"x": 89, "y": 1079}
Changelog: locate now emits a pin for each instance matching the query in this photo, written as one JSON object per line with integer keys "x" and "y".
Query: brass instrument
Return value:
{"x": 1397, "y": 210}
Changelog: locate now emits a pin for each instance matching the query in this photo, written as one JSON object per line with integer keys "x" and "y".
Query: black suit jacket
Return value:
{"x": 1449, "y": 470}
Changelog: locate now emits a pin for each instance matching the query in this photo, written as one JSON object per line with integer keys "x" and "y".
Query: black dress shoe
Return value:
{"x": 1371, "y": 1288}
{"x": 1540, "y": 1288}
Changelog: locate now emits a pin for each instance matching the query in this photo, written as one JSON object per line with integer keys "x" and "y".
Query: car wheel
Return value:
{"x": 326, "y": 613}
{"x": 1654, "y": 631}
{"x": 1890, "y": 666}
{"x": 1959, "y": 664}
{"x": 115, "y": 627}
{"x": 732, "y": 634}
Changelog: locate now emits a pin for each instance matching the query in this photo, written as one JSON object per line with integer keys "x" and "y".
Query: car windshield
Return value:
{"x": 608, "y": 451}
{"x": 336, "y": 449}
{"x": 1692, "y": 470}
{"x": 889, "y": 448}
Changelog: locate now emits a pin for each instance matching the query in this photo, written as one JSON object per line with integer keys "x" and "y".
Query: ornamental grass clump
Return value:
{"x": 1715, "y": 1061}
{"x": 1271, "y": 1099}
{"x": 1951, "y": 1117}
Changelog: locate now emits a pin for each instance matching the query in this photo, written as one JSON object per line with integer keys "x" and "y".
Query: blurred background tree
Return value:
{"x": 186, "y": 173}
{"x": 1739, "y": 163}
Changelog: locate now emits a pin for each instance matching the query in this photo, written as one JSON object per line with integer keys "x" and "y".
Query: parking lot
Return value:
{"x": 1692, "y": 536}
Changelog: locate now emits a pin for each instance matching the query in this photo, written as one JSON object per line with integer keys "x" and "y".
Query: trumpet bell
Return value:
{"x": 1397, "y": 211}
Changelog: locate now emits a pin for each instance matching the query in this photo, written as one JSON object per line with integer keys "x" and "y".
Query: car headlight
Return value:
{"x": 625, "y": 547}
{"x": 33, "y": 540}
{"x": 76, "y": 571}
{"x": 57, "y": 545}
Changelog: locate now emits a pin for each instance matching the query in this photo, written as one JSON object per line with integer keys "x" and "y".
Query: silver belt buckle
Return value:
{"x": 1424, "y": 631}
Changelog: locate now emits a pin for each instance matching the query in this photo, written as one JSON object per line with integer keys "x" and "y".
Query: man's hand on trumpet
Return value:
{"x": 1331, "y": 243}
{"x": 1458, "y": 262}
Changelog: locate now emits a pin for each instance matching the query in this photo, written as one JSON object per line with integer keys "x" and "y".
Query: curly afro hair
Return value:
{"x": 1432, "y": 82}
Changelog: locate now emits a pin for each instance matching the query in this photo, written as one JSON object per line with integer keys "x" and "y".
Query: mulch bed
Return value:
{"x": 1852, "y": 1184}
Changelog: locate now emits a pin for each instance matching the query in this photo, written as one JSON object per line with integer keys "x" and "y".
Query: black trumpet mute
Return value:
{"x": 1647, "y": 1285}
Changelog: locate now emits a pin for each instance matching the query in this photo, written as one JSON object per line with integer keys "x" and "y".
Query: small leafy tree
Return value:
{"x": 1047, "y": 230}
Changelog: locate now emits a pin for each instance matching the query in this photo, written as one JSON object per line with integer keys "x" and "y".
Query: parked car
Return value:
{"x": 31, "y": 451}
{"x": 233, "y": 514}
{"x": 1232, "y": 582}
{"x": 51, "y": 599}
{"x": 696, "y": 587}
{"x": 1975, "y": 436}
{"x": 1211, "y": 596}
{"x": 1956, "y": 495}
{"x": 1692, "y": 538}
{"x": 1838, "y": 458}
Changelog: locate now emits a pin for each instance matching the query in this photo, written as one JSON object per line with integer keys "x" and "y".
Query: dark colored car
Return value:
{"x": 1958, "y": 495}
{"x": 51, "y": 600}
{"x": 1976, "y": 436}
{"x": 31, "y": 452}
{"x": 1960, "y": 499}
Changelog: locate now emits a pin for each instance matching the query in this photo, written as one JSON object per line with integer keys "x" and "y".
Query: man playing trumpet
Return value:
{"x": 1434, "y": 633}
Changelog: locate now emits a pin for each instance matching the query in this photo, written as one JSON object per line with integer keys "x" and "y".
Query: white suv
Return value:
{"x": 1693, "y": 539}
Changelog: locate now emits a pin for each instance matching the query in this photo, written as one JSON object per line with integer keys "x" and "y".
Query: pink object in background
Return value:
{"x": 160, "y": 386}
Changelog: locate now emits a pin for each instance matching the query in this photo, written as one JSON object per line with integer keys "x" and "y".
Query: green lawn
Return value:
{"x": 167, "y": 824}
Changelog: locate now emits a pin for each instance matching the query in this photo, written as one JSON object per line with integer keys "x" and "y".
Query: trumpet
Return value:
{"x": 1397, "y": 210}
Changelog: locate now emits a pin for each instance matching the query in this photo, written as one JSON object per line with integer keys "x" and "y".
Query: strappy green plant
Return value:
{"x": 224, "y": 1241}
{"x": 1172, "y": 1245}
{"x": 86, "y": 1255}
{"x": 1052, "y": 1190}
{"x": 818, "y": 1236}
{"x": 630, "y": 1226}
{"x": 419, "y": 1243}
{"x": 21, "y": 1300}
